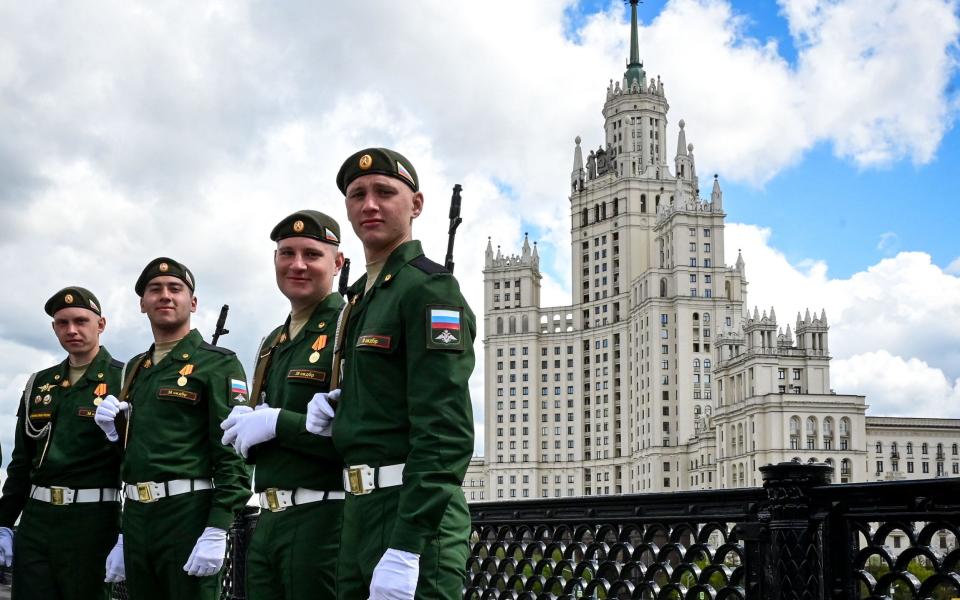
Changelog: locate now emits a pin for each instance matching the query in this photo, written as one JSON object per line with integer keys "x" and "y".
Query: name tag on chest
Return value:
{"x": 307, "y": 375}
{"x": 177, "y": 393}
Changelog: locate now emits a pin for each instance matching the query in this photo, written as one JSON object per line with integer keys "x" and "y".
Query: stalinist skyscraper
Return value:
{"x": 654, "y": 378}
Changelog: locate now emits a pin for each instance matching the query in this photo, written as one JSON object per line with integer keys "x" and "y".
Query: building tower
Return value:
{"x": 623, "y": 373}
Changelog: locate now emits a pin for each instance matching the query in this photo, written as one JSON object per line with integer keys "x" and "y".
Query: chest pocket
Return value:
{"x": 190, "y": 394}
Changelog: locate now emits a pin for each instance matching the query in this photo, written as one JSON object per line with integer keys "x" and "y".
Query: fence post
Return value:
{"x": 792, "y": 563}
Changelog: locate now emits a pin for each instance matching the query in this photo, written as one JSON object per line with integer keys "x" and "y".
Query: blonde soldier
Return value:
{"x": 293, "y": 552}
{"x": 183, "y": 487}
{"x": 64, "y": 476}
{"x": 404, "y": 422}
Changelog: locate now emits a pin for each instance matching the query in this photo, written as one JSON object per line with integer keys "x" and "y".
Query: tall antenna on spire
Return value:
{"x": 634, "y": 37}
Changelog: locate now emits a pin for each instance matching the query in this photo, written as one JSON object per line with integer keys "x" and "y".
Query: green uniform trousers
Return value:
{"x": 60, "y": 552}
{"x": 293, "y": 553}
{"x": 157, "y": 540}
{"x": 367, "y": 526}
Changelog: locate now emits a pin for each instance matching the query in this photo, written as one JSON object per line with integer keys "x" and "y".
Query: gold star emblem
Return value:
{"x": 366, "y": 161}
{"x": 68, "y": 298}
{"x": 298, "y": 226}
{"x": 164, "y": 267}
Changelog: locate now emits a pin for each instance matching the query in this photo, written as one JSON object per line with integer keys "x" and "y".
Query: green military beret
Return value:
{"x": 377, "y": 160}
{"x": 164, "y": 266}
{"x": 308, "y": 223}
{"x": 72, "y": 297}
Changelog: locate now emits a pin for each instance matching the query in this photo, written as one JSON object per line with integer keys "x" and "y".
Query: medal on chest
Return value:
{"x": 186, "y": 370}
{"x": 99, "y": 392}
{"x": 318, "y": 345}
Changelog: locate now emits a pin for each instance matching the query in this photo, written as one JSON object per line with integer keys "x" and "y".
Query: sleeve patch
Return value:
{"x": 444, "y": 328}
{"x": 238, "y": 392}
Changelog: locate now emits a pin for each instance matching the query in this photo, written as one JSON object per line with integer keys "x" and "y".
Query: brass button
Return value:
{"x": 185, "y": 355}
{"x": 99, "y": 375}
{"x": 322, "y": 324}
{"x": 388, "y": 277}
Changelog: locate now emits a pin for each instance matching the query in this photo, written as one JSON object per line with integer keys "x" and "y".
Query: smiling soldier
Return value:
{"x": 183, "y": 487}
{"x": 64, "y": 476}
{"x": 293, "y": 552}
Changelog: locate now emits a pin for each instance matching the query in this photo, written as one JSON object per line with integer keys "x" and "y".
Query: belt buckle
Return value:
{"x": 57, "y": 495}
{"x": 273, "y": 502}
{"x": 145, "y": 492}
{"x": 355, "y": 480}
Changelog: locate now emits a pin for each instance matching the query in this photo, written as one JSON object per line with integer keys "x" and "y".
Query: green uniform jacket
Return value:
{"x": 406, "y": 397}
{"x": 174, "y": 430}
{"x": 74, "y": 453}
{"x": 296, "y": 458}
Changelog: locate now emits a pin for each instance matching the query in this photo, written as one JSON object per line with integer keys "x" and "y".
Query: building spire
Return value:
{"x": 634, "y": 73}
{"x": 634, "y": 37}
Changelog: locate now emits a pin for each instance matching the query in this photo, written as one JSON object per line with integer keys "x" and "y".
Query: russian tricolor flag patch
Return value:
{"x": 443, "y": 330}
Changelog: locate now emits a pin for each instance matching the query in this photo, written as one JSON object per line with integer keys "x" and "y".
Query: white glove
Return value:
{"x": 320, "y": 413}
{"x": 395, "y": 576}
{"x": 243, "y": 429}
{"x": 115, "y": 569}
{"x": 106, "y": 414}
{"x": 207, "y": 556}
{"x": 6, "y": 546}
{"x": 228, "y": 424}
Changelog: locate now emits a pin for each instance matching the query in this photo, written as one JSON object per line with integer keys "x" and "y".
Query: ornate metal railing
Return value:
{"x": 796, "y": 538}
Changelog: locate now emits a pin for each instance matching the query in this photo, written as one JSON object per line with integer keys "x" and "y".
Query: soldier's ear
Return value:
{"x": 101, "y": 324}
{"x": 338, "y": 261}
{"x": 193, "y": 303}
{"x": 417, "y": 204}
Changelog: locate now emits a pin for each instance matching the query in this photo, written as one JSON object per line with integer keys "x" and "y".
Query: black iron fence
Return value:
{"x": 798, "y": 537}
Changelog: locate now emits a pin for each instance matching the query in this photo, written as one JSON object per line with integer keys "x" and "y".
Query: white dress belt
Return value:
{"x": 151, "y": 491}
{"x": 276, "y": 500}
{"x": 59, "y": 495}
{"x": 363, "y": 479}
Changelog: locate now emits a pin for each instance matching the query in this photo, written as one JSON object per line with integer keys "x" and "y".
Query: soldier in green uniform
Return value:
{"x": 63, "y": 476}
{"x": 293, "y": 552}
{"x": 403, "y": 423}
{"x": 183, "y": 487}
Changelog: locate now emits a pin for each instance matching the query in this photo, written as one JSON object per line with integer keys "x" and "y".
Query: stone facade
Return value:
{"x": 656, "y": 377}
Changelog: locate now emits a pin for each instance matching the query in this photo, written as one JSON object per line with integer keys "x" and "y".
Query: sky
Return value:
{"x": 188, "y": 129}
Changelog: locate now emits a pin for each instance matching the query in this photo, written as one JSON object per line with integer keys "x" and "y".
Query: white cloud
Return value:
{"x": 897, "y": 387}
{"x": 132, "y": 132}
{"x": 888, "y": 243}
{"x": 954, "y": 267}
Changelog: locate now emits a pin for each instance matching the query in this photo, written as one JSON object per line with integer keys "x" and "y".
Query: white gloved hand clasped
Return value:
{"x": 246, "y": 428}
{"x": 320, "y": 413}
{"x": 106, "y": 416}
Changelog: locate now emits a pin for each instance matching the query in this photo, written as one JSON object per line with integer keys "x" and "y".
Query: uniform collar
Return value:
{"x": 97, "y": 366}
{"x": 320, "y": 319}
{"x": 97, "y": 370}
{"x": 185, "y": 348}
{"x": 398, "y": 259}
